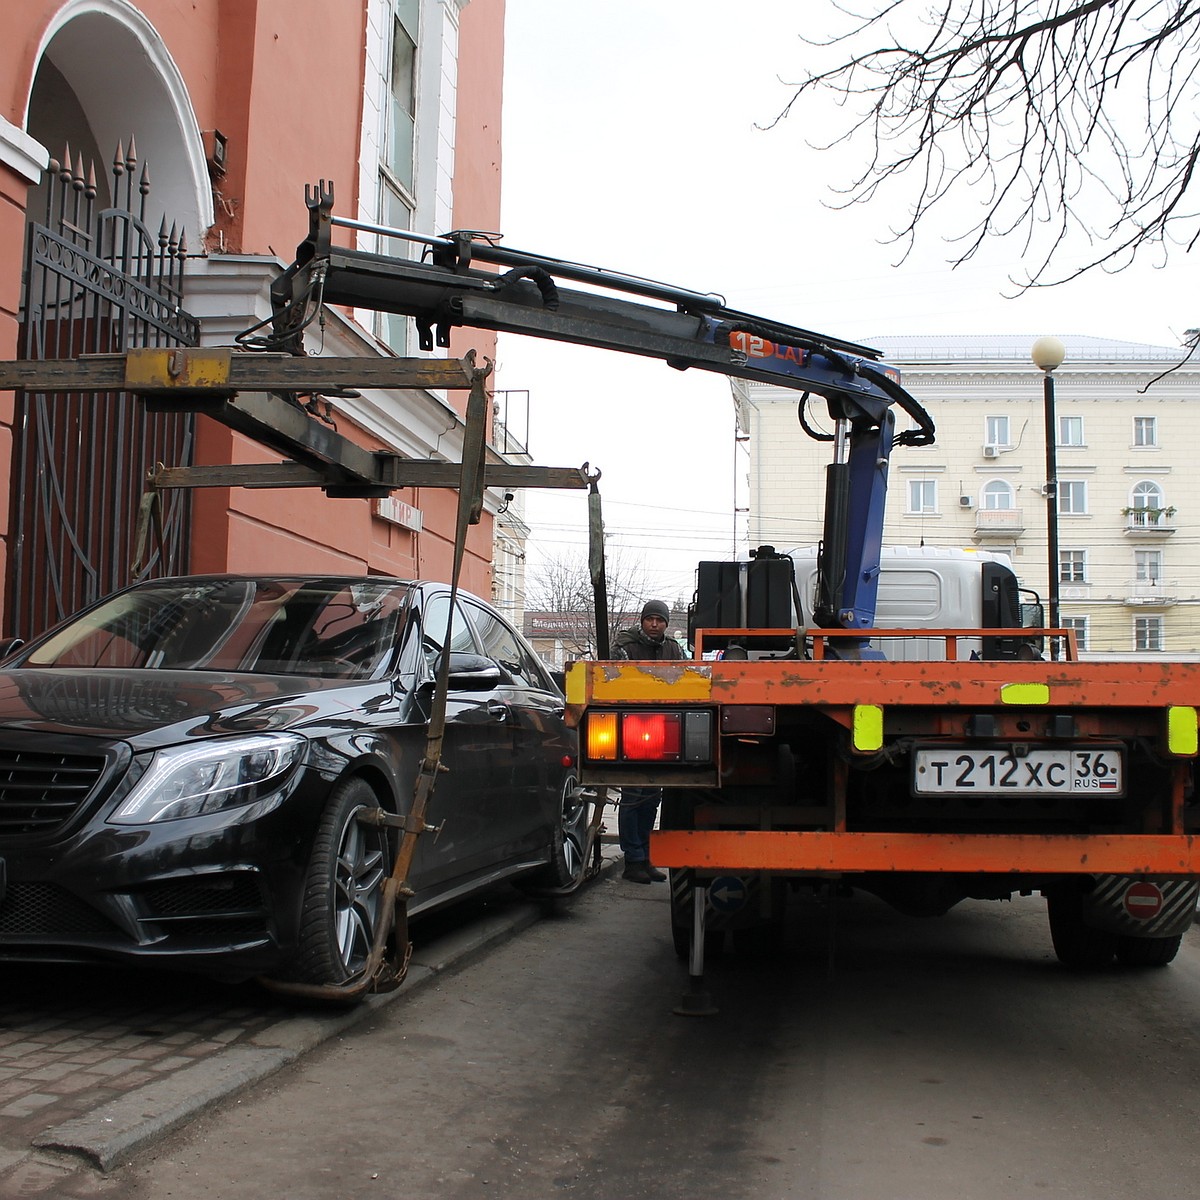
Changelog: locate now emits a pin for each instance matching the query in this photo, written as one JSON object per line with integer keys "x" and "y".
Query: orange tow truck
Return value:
{"x": 801, "y": 742}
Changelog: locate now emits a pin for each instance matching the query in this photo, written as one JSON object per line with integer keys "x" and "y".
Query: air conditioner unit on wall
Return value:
{"x": 991, "y": 450}
{"x": 964, "y": 501}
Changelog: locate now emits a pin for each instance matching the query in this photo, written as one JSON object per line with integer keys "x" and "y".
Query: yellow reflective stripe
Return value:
{"x": 867, "y": 728}
{"x": 1182, "y": 729}
{"x": 1024, "y": 693}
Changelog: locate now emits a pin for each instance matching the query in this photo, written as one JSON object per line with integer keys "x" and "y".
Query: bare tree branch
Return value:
{"x": 562, "y": 586}
{"x": 1072, "y": 123}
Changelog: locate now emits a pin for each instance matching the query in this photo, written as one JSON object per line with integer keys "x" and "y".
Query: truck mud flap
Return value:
{"x": 1139, "y": 907}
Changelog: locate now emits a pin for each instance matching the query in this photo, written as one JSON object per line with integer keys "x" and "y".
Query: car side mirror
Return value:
{"x": 473, "y": 672}
{"x": 10, "y": 646}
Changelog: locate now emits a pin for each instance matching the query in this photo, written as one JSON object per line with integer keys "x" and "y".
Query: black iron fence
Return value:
{"x": 97, "y": 281}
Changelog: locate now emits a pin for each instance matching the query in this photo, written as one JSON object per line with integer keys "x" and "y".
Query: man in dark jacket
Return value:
{"x": 639, "y": 805}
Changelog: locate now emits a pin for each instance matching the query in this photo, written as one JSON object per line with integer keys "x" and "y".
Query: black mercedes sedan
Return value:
{"x": 183, "y": 764}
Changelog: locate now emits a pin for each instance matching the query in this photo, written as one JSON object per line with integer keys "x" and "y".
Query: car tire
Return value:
{"x": 1076, "y": 944}
{"x": 568, "y": 848}
{"x": 344, "y": 889}
{"x": 1147, "y": 951}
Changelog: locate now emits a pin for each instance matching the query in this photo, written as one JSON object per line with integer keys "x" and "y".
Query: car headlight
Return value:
{"x": 187, "y": 781}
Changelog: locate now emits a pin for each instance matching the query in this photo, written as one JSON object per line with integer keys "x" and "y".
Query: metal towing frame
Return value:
{"x": 257, "y": 394}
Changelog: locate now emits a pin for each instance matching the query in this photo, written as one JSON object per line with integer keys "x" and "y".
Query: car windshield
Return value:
{"x": 341, "y": 628}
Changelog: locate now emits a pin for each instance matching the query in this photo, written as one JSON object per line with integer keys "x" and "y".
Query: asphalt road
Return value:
{"x": 877, "y": 1057}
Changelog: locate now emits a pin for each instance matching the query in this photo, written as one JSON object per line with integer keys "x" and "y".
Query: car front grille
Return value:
{"x": 43, "y": 910}
{"x": 39, "y": 791}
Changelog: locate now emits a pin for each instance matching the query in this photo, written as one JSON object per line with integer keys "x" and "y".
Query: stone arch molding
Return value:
{"x": 125, "y": 80}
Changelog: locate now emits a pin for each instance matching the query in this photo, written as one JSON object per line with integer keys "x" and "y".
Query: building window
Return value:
{"x": 1072, "y": 566}
{"x": 396, "y": 169}
{"x": 1080, "y": 626}
{"x": 1145, "y": 431}
{"x": 996, "y": 432}
{"x": 1147, "y": 494}
{"x": 997, "y": 494}
{"x": 1072, "y": 497}
{"x": 402, "y": 94}
{"x": 922, "y": 496}
{"x": 1070, "y": 431}
{"x": 1147, "y": 566}
{"x": 1148, "y": 633}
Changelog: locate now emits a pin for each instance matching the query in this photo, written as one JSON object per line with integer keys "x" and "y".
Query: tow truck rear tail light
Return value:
{"x": 652, "y": 737}
{"x": 602, "y": 736}
{"x": 665, "y": 737}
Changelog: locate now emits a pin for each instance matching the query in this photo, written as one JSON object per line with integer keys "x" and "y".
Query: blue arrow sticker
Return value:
{"x": 727, "y": 893}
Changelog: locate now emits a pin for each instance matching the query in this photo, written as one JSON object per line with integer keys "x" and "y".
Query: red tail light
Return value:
{"x": 651, "y": 737}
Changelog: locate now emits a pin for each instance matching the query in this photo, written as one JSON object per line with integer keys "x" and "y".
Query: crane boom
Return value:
{"x": 685, "y": 329}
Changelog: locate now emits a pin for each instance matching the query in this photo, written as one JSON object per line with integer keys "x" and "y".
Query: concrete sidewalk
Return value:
{"x": 100, "y": 1064}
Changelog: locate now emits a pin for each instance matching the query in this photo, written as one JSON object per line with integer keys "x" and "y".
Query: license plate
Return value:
{"x": 959, "y": 770}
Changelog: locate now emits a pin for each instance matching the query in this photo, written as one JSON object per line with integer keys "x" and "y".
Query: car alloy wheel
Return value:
{"x": 343, "y": 896}
{"x": 567, "y": 866}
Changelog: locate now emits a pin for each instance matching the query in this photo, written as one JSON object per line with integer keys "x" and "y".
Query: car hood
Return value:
{"x": 153, "y": 708}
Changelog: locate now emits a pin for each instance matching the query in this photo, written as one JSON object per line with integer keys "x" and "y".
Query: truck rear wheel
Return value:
{"x": 1076, "y": 944}
{"x": 1147, "y": 951}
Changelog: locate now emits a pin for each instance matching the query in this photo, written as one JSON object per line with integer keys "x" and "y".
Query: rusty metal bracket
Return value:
{"x": 149, "y": 513}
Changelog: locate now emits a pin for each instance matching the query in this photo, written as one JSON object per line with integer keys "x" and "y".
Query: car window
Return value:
{"x": 501, "y": 642}
{"x": 350, "y": 631}
{"x": 433, "y": 628}
{"x": 319, "y": 627}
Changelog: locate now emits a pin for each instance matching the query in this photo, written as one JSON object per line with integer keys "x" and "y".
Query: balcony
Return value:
{"x": 1149, "y": 522}
{"x": 999, "y": 523}
{"x": 1152, "y": 593}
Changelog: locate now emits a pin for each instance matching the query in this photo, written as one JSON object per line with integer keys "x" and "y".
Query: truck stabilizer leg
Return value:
{"x": 697, "y": 1001}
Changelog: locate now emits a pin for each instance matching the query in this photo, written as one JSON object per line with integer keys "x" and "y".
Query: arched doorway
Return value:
{"x": 103, "y": 270}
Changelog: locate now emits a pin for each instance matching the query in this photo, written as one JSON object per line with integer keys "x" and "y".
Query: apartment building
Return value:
{"x": 1127, "y": 425}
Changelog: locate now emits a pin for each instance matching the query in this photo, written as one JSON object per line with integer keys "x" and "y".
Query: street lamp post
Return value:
{"x": 1048, "y": 354}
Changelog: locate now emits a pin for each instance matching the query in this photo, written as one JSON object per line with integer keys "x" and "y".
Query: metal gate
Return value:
{"x": 97, "y": 281}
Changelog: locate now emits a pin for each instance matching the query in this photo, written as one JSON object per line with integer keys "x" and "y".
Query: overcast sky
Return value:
{"x": 632, "y": 141}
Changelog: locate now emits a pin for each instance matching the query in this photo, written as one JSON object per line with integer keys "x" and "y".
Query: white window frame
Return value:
{"x": 1147, "y": 493}
{"x": 1148, "y": 634}
{"x": 1076, "y": 489}
{"x": 1080, "y": 625}
{"x": 1143, "y": 426}
{"x": 1148, "y": 566}
{"x": 1072, "y": 566}
{"x": 922, "y": 496}
{"x": 1068, "y": 426}
{"x": 431, "y": 197}
{"x": 996, "y": 489}
{"x": 997, "y": 430}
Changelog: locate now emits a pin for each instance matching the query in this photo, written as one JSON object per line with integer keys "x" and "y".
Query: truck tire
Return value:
{"x": 1077, "y": 945}
{"x": 1147, "y": 951}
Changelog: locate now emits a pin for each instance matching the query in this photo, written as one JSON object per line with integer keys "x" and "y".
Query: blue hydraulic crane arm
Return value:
{"x": 445, "y": 289}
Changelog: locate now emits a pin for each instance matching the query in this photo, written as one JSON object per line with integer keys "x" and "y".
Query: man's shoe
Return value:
{"x": 656, "y": 876}
{"x": 637, "y": 872}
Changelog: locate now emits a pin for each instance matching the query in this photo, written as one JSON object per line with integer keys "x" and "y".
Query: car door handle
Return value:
{"x": 497, "y": 710}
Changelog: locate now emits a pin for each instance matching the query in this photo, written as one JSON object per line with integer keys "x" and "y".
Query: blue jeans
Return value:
{"x": 635, "y": 820}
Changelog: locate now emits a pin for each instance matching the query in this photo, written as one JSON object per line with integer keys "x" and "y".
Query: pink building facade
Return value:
{"x": 217, "y": 114}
